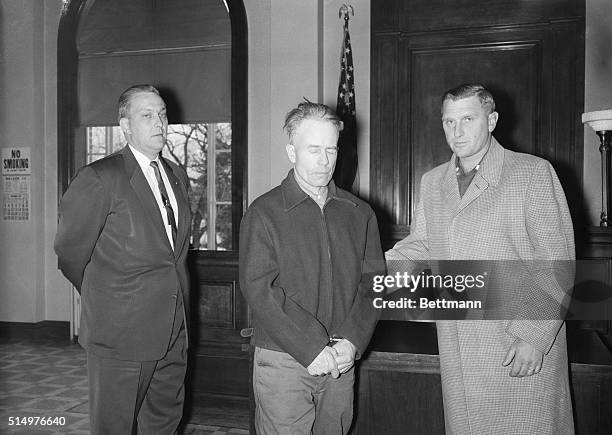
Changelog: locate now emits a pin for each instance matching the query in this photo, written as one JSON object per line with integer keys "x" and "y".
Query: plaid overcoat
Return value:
{"x": 514, "y": 209}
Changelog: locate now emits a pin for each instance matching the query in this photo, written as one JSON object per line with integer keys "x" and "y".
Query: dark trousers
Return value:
{"x": 288, "y": 400}
{"x": 147, "y": 395}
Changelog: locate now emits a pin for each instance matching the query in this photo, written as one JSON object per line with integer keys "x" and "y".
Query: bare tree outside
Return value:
{"x": 190, "y": 147}
{"x": 203, "y": 150}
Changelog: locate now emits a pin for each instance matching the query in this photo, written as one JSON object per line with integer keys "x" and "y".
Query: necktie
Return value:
{"x": 165, "y": 200}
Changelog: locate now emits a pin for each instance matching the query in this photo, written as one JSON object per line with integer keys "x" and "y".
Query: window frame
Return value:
{"x": 112, "y": 139}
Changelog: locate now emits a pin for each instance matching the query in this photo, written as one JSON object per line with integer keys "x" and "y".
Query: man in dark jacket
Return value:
{"x": 122, "y": 241}
{"x": 308, "y": 250}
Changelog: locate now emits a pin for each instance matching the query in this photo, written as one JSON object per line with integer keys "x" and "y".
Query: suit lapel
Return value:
{"x": 184, "y": 219}
{"x": 145, "y": 195}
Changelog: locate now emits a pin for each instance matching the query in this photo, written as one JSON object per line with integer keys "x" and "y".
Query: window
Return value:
{"x": 204, "y": 151}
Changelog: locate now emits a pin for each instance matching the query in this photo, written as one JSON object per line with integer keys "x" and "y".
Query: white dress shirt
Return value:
{"x": 149, "y": 173}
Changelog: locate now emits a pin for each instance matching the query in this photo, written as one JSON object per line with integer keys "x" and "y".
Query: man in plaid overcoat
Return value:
{"x": 489, "y": 203}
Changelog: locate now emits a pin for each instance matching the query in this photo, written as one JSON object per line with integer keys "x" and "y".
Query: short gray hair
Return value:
{"x": 126, "y": 97}
{"x": 467, "y": 90}
{"x": 309, "y": 110}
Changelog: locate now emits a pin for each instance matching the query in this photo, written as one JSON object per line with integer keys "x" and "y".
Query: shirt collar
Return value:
{"x": 143, "y": 161}
{"x": 490, "y": 166}
{"x": 308, "y": 190}
{"x": 459, "y": 169}
{"x": 461, "y": 172}
{"x": 294, "y": 195}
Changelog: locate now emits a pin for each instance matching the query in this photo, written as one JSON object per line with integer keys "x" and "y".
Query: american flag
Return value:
{"x": 346, "y": 164}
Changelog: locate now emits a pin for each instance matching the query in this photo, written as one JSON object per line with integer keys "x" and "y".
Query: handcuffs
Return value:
{"x": 334, "y": 339}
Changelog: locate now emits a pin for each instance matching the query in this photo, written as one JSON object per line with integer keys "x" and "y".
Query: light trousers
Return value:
{"x": 288, "y": 400}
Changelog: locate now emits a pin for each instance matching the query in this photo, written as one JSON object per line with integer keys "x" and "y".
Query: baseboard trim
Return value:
{"x": 44, "y": 329}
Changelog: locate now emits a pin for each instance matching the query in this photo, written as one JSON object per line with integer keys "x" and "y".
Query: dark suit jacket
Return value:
{"x": 112, "y": 245}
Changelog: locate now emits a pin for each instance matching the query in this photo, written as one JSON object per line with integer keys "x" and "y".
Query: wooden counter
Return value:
{"x": 399, "y": 392}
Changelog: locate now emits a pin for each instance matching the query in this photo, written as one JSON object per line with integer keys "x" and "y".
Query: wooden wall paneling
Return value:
{"x": 216, "y": 305}
{"x": 413, "y": 404}
{"x": 383, "y": 126}
{"x": 404, "y": 199}
{"x": 220, "y": 354}
{"x": 566, "y": 141}
{"x": 441, "y": 65}
{"x": 428, "y": 15}
{"x": 592, "y": 399}
{"x": 606, "y": 404}
{"x": 592, "y": 282}
{"x": 220, "y": 375}
{"x": 597, "y": 251}
{"x": 587, "y": 392}
{"x": 398, "y": 394}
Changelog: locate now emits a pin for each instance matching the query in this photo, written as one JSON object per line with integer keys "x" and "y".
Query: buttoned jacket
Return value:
{"x": 112, "y": 246}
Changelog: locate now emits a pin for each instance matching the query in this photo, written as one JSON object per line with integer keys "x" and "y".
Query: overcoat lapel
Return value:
{"x": 143, "y": 191}
{"x": 474, "y": 190}
{"x": 450, "y": 189}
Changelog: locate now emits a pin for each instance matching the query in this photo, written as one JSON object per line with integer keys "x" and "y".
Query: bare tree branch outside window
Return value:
{"x": 190, "y": 146}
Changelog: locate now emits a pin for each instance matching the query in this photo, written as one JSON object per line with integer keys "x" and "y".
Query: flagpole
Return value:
{"x": 347, "y": 163}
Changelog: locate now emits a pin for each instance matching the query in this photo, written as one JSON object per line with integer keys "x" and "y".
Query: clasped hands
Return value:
{"x": 334, "y": 360}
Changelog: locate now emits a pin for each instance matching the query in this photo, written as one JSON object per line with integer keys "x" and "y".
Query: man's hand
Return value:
{"x": 325, "y": 363}
{"x": 527, "y": 359}
{"x": 346, "y": 355}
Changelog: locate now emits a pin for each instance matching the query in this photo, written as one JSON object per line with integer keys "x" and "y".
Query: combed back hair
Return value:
{"x": 467, "y": 90}
{"x": 126, "y": 97}
{"x": 309, "y": 110}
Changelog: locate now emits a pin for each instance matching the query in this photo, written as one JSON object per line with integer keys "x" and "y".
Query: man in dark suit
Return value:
{"x": 122, "y": 241}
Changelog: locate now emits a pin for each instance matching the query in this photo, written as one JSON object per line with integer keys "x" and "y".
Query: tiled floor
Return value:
{"x": 47, "y": 377}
